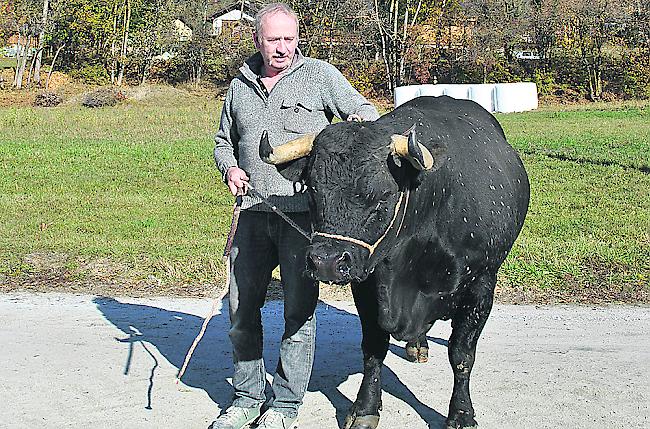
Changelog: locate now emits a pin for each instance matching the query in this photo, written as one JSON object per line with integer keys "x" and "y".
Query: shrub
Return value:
{"x": 103, "y": 97}
{"x": 368, "y": 79}
{"x": 634, "y": 76}
{"x": 47, "y": 99}
{"x": 95, "y": 74}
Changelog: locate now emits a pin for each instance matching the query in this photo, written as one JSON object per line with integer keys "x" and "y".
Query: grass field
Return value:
{"x": 129, "y": 196}
{"x": 7, "y": 62}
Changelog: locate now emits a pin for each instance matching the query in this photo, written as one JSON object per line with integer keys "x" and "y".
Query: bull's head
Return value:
{"x": 358, "y": 190}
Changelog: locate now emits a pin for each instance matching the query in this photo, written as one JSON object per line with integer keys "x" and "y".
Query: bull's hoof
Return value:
{"x": 411, "y": 353}
{"x": 423, "y": 355}
{"x": 352, "y": 421}
{"x": 417, "y": 354}
{"x": 461, "y": 422}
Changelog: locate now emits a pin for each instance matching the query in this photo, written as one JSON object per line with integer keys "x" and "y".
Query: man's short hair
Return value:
{"x": 271, "y": 9}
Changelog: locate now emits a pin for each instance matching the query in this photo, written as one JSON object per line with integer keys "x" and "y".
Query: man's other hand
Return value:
{"x": 237, "y": 180}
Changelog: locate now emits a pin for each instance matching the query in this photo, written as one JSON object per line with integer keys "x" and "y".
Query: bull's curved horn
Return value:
{"x": 408, "y": 148}
{"x": 289, "y": 151}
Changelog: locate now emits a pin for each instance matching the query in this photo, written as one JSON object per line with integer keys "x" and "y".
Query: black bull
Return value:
{"x": 419, "y": 229}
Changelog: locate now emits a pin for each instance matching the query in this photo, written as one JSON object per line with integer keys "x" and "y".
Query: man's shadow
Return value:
{"x": 173, "y": 332}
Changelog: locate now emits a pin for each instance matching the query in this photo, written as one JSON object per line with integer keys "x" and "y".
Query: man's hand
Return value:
{"x": 237, "y": 180}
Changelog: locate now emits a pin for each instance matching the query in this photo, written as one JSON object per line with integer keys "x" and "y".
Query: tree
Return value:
{"x": 41, "y": 42}
{"x": 194, "y": 13}
{"x": 500, "y": 26}
{"x": 151, "y": 35}
{"x": 591, "y": 24}
{"x": 85, "y": 27}
{"x": 395, "y": 20}
{"x": 546, "y": 23}
{"x": 20, "y": 18}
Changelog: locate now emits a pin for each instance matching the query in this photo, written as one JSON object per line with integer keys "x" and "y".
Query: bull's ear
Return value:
{"x": 294, "y": 170}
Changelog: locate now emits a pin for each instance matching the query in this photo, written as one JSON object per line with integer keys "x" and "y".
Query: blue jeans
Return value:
{"x": 263, "y": 241}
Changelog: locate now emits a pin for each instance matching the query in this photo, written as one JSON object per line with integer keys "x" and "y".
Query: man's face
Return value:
{"x": 277, "y": 42}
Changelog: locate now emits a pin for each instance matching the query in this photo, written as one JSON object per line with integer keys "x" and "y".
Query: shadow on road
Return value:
{"x": 338, "y": 351}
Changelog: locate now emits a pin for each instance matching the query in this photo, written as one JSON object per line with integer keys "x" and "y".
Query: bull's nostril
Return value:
{"x": 343, "y": 263}
{"x": 311, "y": 262}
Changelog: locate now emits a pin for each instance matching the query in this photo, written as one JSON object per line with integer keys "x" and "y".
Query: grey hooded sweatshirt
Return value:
{"x": 305, "y": 100}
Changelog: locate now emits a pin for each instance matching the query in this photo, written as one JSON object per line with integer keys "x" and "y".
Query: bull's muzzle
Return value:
{"x": 328, "y": 266}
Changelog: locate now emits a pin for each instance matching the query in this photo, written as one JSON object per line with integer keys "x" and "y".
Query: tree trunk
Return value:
{"x": 18, "y": 60}
{"x": 113, "y": 44}
{"x": 384, "y": 51}
{"x": 32, "y": 67}
{"x": 49, "y": 75}
{"x": 331, "y": 47}
{"x": 125, "y": 41}
{"x": 146, "y": 68}
{"x": 22, "y": 63}
{"x": 41, "y": 42}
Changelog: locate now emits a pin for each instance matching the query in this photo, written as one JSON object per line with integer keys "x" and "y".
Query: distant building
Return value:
{"x": 182, "y": 30}
{"x": 526, "y": 55}
{"x": 10, "y": 48}
{"x": 227, "y": 17}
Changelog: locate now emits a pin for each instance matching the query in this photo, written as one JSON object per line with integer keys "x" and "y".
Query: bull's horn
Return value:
{"x": 408, "y": 148}
{"x": 289, "y": 151}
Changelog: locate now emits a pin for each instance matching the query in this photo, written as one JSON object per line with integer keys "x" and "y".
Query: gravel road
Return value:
{"x": 79, "y": 361}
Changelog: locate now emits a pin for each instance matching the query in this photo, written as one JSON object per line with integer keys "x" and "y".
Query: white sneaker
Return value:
{"x": 236, "y": 418}
{"x": 272, "y": 419}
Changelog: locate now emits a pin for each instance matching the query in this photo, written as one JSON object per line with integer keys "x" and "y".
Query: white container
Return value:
{"x": 483, "y": 95}
{"x": 406, "y": 93}
{"x": 499, "y": 97}
{"x": 460, "y": 92}
{"x": 515, "y": 97}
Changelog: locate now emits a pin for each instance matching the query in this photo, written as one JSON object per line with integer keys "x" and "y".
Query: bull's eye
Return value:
{"x": 376, "y": 215}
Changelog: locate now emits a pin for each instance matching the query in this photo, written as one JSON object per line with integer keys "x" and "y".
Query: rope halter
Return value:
{"x": 372, "y": 247}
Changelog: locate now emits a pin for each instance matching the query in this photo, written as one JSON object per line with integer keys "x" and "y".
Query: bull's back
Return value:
{"x": 478, "y": 199}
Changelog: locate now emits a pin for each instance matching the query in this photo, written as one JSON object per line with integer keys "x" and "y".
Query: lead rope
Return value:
{"x": 217, "y": 301}
{"x": 278, "y": 212}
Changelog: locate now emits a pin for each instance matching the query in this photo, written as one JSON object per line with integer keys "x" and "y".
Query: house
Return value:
{"x": 227, "y": 17}
{"x": 12, "y": 46}
{"x": 182, "y": 30}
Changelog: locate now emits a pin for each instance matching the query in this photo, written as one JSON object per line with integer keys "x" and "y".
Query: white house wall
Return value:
{"x": 233, "y": 15}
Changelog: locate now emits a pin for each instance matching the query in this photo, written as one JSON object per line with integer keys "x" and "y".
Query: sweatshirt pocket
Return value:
{"x": 297, "y": 116}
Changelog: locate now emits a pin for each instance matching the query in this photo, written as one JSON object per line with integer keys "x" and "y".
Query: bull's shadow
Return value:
{"x": 172, "y": 333}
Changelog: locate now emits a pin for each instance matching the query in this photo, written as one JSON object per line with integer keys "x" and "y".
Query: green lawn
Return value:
{"x": 135, "y": 185}
{"x": 589, "y": 221}
{"x": 7, "y": 62}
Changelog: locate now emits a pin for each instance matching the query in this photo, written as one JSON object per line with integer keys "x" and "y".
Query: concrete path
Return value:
{"x": 71, "y": 361}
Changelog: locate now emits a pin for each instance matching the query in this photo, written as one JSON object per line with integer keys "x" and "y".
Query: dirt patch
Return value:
{"x": 16, "y": 98}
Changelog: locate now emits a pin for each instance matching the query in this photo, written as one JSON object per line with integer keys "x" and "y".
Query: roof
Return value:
{"x": 250, "y": 8}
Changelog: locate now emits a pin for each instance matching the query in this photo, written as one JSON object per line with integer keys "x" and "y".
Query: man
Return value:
{"x": 280, "y": 91}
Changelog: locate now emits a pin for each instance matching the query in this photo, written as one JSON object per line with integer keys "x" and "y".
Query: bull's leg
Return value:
{"x": 364, "y": 413}
{"x": 467, "y": 324}
{"x": 417, "y": 350}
